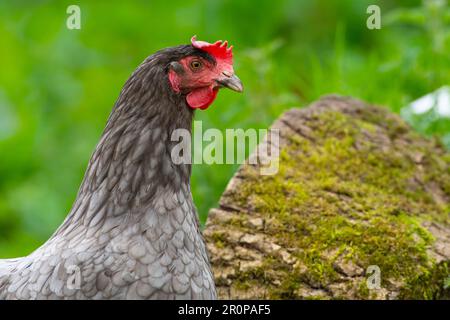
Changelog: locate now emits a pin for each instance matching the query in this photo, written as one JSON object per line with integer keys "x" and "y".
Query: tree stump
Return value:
{"x": 359, "y": 209}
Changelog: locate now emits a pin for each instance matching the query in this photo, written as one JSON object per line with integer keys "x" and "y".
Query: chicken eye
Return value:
{"x": 196, "y": 65}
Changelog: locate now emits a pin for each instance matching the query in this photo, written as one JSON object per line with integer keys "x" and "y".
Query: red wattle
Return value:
{"x": 201, "y": 98}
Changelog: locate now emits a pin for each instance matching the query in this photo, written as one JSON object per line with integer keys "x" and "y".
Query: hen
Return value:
{"x": 133, "y": 231}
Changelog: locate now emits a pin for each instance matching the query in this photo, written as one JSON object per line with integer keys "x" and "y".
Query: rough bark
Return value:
{"x": 356, "y": 187}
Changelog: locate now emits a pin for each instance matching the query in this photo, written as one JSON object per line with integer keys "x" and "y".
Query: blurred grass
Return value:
{"x": 57, "y": 86}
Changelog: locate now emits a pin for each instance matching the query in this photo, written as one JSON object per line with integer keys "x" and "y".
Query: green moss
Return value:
{"x": 346, "y": 192}
{"x": 370, "y": 127}
{"x": 363, "y": 290}
{"x": 219, "y": 239}
{"x": 430, "y": 284}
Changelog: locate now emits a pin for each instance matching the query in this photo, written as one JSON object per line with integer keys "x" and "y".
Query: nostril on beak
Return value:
{"x": 231, "y": 81}
{"x": 227, "y": 74}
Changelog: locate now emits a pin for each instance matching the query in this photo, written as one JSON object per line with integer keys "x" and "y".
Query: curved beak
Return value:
{"x": 231, "y": 81}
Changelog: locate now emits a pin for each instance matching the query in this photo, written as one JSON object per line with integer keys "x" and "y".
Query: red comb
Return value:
{"x": 218, "y": 49}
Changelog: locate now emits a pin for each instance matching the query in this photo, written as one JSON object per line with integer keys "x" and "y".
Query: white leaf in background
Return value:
{"x": 438, "y": 100}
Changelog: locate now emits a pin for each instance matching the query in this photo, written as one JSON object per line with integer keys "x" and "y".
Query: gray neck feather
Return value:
{"x": 132, "y": 164}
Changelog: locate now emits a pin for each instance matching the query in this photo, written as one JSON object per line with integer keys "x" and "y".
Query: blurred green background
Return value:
{"x": 57, "y": 86}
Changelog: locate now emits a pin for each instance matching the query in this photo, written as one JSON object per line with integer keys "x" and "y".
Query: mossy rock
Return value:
{"x": 356, "y": 187}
